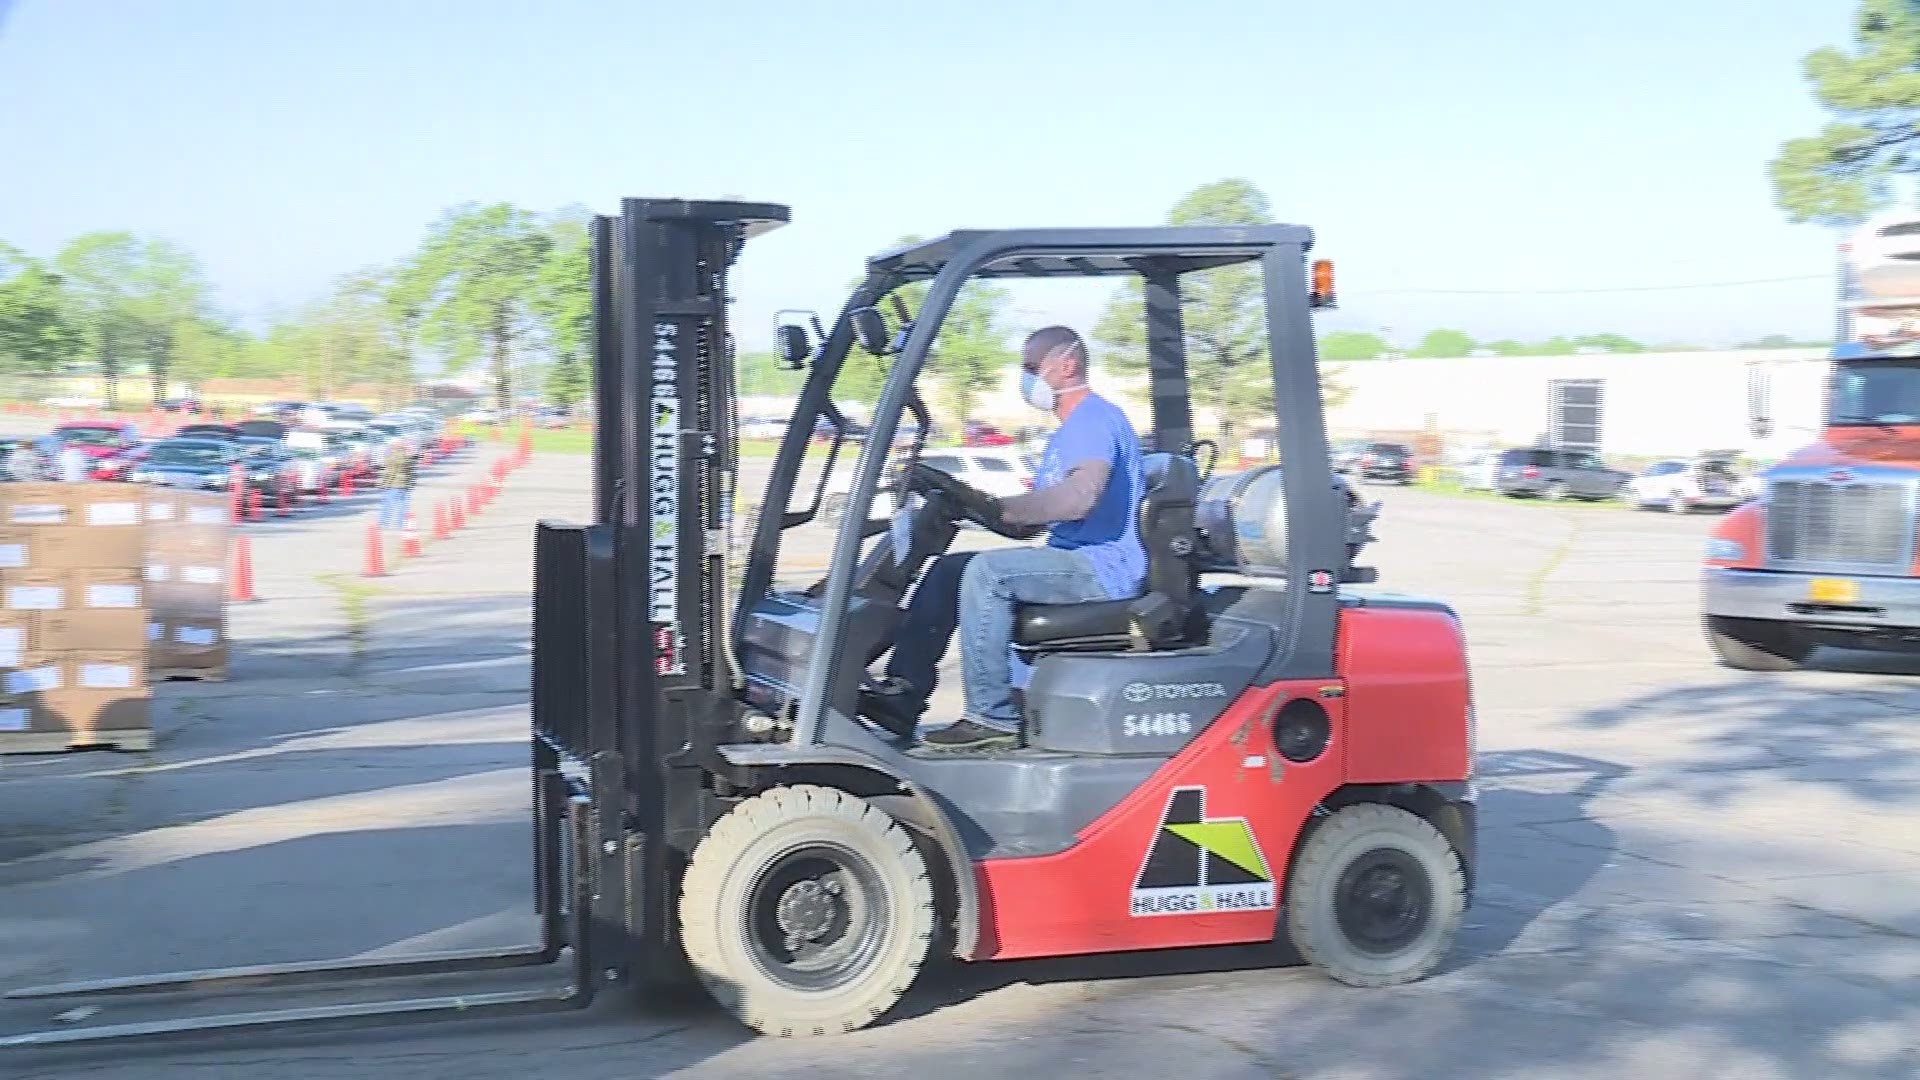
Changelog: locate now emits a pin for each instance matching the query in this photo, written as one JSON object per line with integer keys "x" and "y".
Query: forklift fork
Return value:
{"x": 564, "y": 894}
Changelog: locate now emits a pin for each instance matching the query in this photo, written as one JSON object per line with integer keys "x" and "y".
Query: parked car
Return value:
{"x": 183, "y": 462}
{"x": 1344, "y": 454}
{"x": 1707, "y": 482}
{"x": 209, "y": 431}
{"x": 1386, "y": 461}
{"x": 1557, "y": 474}
{"x": 98, "y": 439}
{"x": 1001, "y": 472}
{"x": 117, "y": 466}
{"x": 978, "y": 433}
{"x": 1477, "y": 473}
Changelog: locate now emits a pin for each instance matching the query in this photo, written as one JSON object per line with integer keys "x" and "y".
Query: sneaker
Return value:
{"x": 967, "y": 735}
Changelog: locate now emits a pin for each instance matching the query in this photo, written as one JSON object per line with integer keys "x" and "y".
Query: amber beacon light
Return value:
{"x": 1321, "y": 295}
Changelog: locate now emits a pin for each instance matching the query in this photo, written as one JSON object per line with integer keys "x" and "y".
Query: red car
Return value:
{"x": 101, "y": 440}
{"x": 975, "y": 433}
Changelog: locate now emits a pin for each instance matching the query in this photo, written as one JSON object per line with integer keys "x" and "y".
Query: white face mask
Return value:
{"x": 1036, "y": 391}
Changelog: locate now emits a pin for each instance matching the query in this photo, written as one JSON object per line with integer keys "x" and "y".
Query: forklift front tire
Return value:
{"x": 806, "y": 911}
{"x": 1376, "y": 896}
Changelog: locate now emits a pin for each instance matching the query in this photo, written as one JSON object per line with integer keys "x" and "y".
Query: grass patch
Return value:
{"x": 353, "y": 595}
{"x": 1452, "y": 489}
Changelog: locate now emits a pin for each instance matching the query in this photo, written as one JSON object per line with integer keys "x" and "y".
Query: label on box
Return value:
{"x": 106, "y": 676}
{"x": 160, "y": 511}
{"x": 200, "y": 575}
{"x": 156, "y": 631}
{"x": 158, "y": 572}
{"x": 206, "y": 515}
{"x": 38, "y": 514}
{"x": 13, "y": 556}
{"x": 13, "y": 642}
{"x": 113, "y": 596}
{"x": 36, "y": 597}
{"x": 113, "y": 513}
{"x": 14, "y": 719}
{"x": 194, "y": 635}
{"x": 34, "y": 680}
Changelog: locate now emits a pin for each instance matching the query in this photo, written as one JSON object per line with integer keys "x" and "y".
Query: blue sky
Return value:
{"x": 1523, "y": 146}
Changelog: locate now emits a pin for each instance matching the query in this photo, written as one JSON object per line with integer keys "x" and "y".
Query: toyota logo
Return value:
{"x": 1137, "y": 692}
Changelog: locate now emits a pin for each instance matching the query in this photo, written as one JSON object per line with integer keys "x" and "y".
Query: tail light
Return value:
{"x": 1531, "y": 472}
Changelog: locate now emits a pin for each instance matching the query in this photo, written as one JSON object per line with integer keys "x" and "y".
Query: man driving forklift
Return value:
{"x": 1088, "y": 488}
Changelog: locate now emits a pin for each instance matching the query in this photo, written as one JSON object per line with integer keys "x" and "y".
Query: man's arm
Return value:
{"x": 1069, "y": 500}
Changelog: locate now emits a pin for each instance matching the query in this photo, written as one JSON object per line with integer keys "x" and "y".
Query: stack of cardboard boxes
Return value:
{"x": 73, "y": 617}
{"x": 104, "y": 589}
{"x": 188, "y": 534}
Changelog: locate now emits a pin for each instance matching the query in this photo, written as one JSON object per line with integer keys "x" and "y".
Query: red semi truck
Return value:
{"x": 1826, "y": 554}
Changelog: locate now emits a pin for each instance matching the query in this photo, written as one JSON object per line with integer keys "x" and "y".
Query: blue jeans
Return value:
{"x": 992, "y": 584}
{"x": 393, "y": 507}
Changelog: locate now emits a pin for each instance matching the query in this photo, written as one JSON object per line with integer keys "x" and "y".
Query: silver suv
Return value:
{"x": 1556, "y": 474}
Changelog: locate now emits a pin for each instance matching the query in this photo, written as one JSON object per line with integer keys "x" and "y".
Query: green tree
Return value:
{"x": 1508, "y": 347}
{"x": 470, "y": 288}
{"x": 759, "y": 374}
{"x": 36, "y": 333}
{"x": 567, "y": 381}
{"x": 1840, "y": 175}
{"x": 968, "y": 357}
{"x": 1228, "y": 370}
{"x": 1352, "y": 345}
{"x": 562, "y": 298}
{"x": 167, "y": 300}
{"x": 99, "y": 269}
{"x": 1614, "y": 343}
{"x": 1444, "y": 344}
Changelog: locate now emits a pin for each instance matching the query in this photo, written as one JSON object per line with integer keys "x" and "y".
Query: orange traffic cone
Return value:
{"x": 375, "y": 564}
{"x": 240, "y": 591}
{"x": 409, "y": 539}
{"x": 440, "y": 521}
{"x": 459, "y": 518}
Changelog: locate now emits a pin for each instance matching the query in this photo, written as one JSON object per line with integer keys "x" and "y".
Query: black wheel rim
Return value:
{"x": 1383, "y": 901}
{"x": 816, "y": 917}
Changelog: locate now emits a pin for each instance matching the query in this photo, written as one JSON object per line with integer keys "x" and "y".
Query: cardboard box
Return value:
{"x": 16, "y": 548}
{"x": 84, "y": 712}
{"x": 189, "y": 543}
{"x": 17, "y": 713}
{"x": 160, "y": 506}
{"x": 35, "y": 590}
{"x": 103, "y": 588}
{"x": 38, "y": 673}
{"x": 81, "y": 547}
{"x": 94, "y": 669}
{"x": 190, "y": 645}
{"x": 90, "y": 629}
{"x": 105, "y": 504}
{"x": 37, "y": 504}
{"x": 176, "y": 599}
{"x": 17, "y": 638}
{"x": 203, "y": 508}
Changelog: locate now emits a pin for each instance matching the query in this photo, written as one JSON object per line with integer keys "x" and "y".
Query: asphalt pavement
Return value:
{"x": 1686, "y": 871}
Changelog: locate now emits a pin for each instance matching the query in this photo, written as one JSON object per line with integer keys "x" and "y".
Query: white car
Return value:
{"x": 994, "y": 470}
{"x": 1477, "y": 473}
{"x": 1709, "y": 482}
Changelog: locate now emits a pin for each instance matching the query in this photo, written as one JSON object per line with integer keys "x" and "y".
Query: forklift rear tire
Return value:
{"x": 806, "y": 911}
{"x": 1375, "y": 896}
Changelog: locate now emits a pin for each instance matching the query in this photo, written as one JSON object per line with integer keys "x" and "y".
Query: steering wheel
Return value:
{"x": 967, "y": 501}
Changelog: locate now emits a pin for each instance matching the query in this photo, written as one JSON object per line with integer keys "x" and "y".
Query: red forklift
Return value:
{"x": 1252, "y": 749}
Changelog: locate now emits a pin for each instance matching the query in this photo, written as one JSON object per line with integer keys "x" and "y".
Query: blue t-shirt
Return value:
{"x": 1109, "y": 536}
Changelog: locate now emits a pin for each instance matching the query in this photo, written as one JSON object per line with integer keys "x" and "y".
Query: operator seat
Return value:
{"x": 1152, "y": 621}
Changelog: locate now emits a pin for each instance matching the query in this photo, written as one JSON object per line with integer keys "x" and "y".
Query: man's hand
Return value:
{"x": 969, "y": 501}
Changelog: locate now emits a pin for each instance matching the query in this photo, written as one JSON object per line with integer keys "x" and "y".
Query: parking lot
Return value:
{"x": 1686, "y": 871}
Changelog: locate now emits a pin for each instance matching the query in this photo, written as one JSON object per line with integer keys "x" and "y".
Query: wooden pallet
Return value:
{"x": 59, "y": 742}
{"x": 195, "y": 674}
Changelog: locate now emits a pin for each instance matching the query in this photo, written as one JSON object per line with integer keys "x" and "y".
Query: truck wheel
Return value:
{"x": 1757, "y": 644}
{"x": 1375, "y": 896}
{"x": 1676, "y": 504}
{"x": 1557, "y": 491}
{"x": 806, "y": 911}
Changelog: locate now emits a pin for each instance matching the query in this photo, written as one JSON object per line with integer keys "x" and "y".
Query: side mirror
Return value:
{"x": 793, "y": 345}
{"x": 870, "y": 329}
